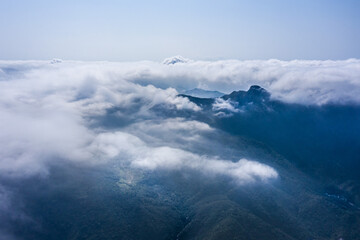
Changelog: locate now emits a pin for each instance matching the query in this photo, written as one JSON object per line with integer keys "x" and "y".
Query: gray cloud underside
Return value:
{"x": 46, "y": 110}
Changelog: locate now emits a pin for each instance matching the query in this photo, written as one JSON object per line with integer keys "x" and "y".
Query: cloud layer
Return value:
{"x": 50, "y": 111}
{"x": 47, "y": 110}
{"x": 297, "y": 81}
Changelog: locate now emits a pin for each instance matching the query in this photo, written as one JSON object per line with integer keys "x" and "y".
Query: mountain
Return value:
{"x": 254, "y": 94}
{"x": 314, "y": 149}
{"x": 201, "y": 93}
{"x": 319, "y": 139}
{"x": 175, "y": 59}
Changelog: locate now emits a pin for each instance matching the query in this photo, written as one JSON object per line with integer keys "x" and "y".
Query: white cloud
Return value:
{"x": 43, "y": 108}
{"x": 171, "y": 131}
{"x": 130, "y": 148}
{"x": 298, "y": 81}
{"x": 221, "y": 104}
{"x": 30, "y": 138}
{"x": 47, "y": 109}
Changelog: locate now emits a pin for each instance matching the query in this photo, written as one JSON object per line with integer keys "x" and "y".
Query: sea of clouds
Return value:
{"x": 49, "y": 110}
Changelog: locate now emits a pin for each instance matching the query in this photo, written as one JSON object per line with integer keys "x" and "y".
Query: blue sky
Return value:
{"x": 153, "y": 30}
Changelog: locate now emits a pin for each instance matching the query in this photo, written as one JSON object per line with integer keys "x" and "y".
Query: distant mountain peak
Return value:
{"x": 56, "y": 60}
{"x": 256, "y": 88}
{"x": 175, "y": 59}
{"x": 257, "y": 91}
{"x": 255, "y": 94}
{"x": 201, "y": 93}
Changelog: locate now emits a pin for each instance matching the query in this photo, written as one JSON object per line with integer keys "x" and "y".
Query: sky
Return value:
{"x": 202, "y": 30}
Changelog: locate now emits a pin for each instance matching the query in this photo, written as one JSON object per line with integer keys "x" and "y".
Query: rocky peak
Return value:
{"x": 254, "y": 94}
